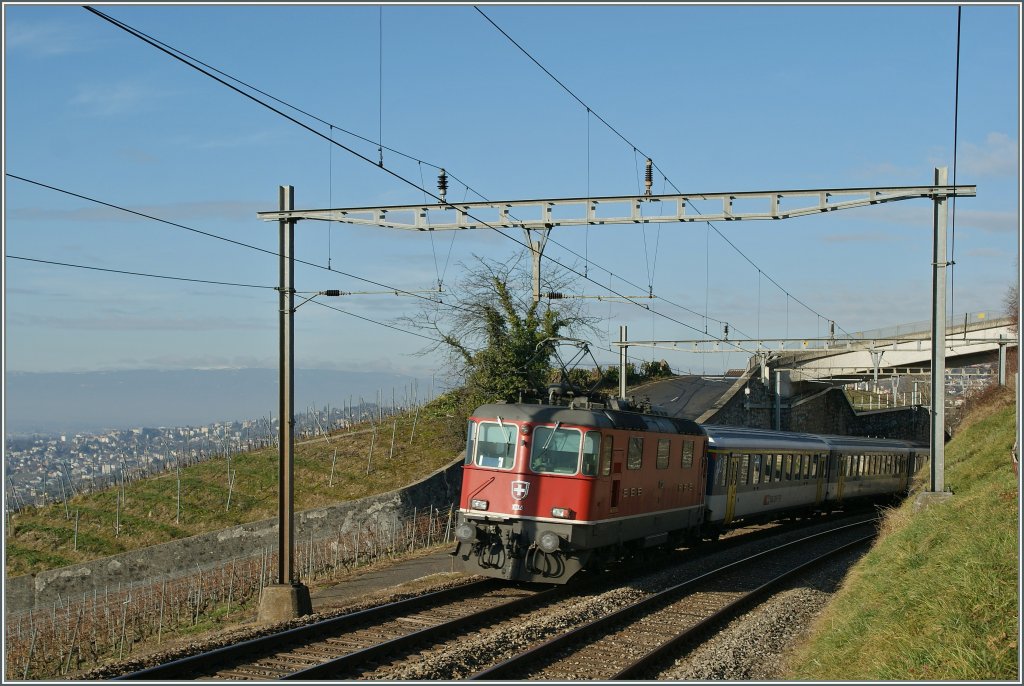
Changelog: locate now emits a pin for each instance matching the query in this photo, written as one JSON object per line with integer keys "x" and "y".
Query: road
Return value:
{"x": 686, "y": 397}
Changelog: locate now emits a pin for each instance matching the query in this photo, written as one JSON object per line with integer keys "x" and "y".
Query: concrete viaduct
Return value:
{"x": 801, "y": 389}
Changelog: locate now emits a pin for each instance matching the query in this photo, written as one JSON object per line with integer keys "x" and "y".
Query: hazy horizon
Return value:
{"x": 50, "y": 402}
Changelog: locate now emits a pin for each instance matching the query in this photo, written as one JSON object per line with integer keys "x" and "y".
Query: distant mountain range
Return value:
{"x": 93, "y": 401}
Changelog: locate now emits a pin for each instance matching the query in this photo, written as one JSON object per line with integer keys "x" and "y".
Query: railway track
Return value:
{"x": 347, "y": 642}
{"x": 632, "y": 641}
{"x": 451, "y": 629}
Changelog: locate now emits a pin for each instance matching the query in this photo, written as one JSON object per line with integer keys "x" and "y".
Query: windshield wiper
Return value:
{"x": 544, "y": 448}
{"x": 508, "y": 439}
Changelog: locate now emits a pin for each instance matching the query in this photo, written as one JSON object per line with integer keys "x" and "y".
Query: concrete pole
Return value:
{"x": 778, "y": 400}
{"x": 622, "y": 361}
{"x": 1002, "y": 361}
{"x": 938, "y": 372}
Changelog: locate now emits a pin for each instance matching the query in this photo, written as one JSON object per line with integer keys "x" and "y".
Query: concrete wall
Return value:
{"x": 178, "y": 558}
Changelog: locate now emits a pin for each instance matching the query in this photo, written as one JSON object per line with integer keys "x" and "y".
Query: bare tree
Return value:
{"x": 497, "y": 339}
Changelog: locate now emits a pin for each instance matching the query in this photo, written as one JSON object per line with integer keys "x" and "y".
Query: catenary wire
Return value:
{"x": 635, "y": 151}
{"x": 355, "y": 153}
{"x": 216, "y": 283}
{"x": 121, "y": 271}
{"x": 214, "y": 236}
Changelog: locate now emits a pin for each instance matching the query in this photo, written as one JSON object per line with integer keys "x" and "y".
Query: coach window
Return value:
{"x": 755, "y": 470}
{"x": 687, "y": 460}
{"x": 664, "y": 448}
{"x": 555, "y": 450}
{"x": 814, "y": 466}
{"x": 496, "y": 444}
{"x": 720, "y": 462}
{"x": 787, "y": 467}
{"x": 635, "y": 454}
{"x": 744, "y": 470}
{"x": 591, "y": 451}
{"x": 769, "y": 467}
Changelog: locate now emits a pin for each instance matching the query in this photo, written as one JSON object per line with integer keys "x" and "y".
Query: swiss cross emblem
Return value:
{"x": 520, "y": 489}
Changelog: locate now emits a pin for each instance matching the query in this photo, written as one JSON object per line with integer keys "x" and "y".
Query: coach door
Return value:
{"x": 731, "y": 473}
{"x": 842, "y": 462}
{"x": 819, "y": 468}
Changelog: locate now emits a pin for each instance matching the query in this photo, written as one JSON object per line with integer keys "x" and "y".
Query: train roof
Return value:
{"x": 838, "y": 442}
{"x": 596, "y": 417}
{"x": 722, "y": 436}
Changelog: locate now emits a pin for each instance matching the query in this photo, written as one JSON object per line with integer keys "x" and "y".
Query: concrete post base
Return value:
{"x": 281, "y": 602}
{"x": 928, "y": 498}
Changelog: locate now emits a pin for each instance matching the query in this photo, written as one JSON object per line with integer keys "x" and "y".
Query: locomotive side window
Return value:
{"x": 664, "y": 446}
{"x": 635, "y": 454}
{"x": 496, "y": 445}
{"x": 606, "y": 455}
{"x": 591, "y": 450}
{"x": 687, "y": 460}
{"x": 555, "y": 450}
{"x": 470, "y": 436}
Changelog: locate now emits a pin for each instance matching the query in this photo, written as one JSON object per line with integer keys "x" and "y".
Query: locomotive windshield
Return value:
{"x": 555, "y": 450}
{"x": 495, "y": 445}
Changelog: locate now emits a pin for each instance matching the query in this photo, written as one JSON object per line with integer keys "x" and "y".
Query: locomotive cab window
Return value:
{"x": 470, "y": 437}
{"x": 555, "y": 450}
{"x": 496, "y": 445}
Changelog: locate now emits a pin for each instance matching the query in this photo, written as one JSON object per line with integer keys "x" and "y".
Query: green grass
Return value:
{"x": 43, "y": 538}
{"x": 936, "y": 598}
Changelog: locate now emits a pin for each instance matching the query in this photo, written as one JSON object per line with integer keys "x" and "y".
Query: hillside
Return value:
{"x": 227, "y": 491}
{"x": 937, "y": 596}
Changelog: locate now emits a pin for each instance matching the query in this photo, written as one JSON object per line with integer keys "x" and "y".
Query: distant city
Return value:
{"x": 46, "y": 468}
{"x": 67, "y": 433}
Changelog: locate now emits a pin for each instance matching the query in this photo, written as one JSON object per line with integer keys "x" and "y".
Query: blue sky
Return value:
{"x": 724, "y": 98}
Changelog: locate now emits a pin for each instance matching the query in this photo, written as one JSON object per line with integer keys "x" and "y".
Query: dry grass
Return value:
{"x": 41, "y": 538}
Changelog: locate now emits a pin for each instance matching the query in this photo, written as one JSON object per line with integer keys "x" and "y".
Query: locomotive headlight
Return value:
{"x": 561, "y": 512}
{"x": 465, "y": 532}
{"x": 478, "y": 504}
{"x": 549, "y": 541}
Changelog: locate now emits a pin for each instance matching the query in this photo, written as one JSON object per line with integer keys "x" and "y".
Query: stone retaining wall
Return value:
{"x": 181, "y": 557}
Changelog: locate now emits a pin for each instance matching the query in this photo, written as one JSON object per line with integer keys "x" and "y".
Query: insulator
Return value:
{"x": 332, "y": 292}
{"x": 555, "y": 296}
{"x": 726, "y": 332}
{"x": 649, "y": 176}
{"x": 442, "y": 184}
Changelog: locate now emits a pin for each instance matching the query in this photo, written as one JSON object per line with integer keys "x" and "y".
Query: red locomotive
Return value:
{"x": 546, "y": 488}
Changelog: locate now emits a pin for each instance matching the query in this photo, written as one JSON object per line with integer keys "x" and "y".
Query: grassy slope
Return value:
{"x": 937, "y": 597}
{"x": 43, "y": 538}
